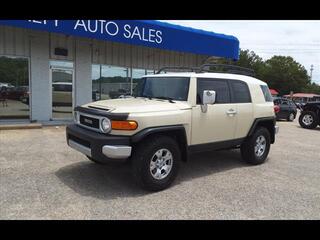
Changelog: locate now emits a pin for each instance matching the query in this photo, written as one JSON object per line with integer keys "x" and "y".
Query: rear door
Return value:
{"x": 241, "y": 96}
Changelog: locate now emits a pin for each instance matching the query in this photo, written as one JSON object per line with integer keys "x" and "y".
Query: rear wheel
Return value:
{"x": 308, "y": 120}
{"x": 155, "y": 162}
{"x": 291, "y": 117}
{"x": 256, "y": 148}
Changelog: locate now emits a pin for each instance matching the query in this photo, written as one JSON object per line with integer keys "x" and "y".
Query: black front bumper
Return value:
{"x": 94, "y": 140}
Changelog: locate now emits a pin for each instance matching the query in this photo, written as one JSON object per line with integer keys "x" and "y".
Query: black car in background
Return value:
{"x": 310, "y": 115}
{"x": 287, "y": 109}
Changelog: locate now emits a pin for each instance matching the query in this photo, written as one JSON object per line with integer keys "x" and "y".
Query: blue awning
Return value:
{"x": 147, "y": 33}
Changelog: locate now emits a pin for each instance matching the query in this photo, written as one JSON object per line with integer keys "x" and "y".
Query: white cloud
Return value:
{"x": 299, "y": 39}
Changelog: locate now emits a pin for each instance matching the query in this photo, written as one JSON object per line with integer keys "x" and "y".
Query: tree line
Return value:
{"x": 281, "y": 73}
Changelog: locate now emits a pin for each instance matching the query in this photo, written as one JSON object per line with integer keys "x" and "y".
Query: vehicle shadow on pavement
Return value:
{"x": 314, "y": 129}
{"x": 114, "y": 181}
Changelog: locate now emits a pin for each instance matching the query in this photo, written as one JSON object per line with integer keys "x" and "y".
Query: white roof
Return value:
{"x": 247, "y": 79}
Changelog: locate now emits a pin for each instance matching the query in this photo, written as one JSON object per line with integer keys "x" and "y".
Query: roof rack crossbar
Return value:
{"x": 228, "y": 68}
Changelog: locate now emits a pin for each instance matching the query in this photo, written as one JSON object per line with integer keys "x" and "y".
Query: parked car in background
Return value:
{"x": 287, "y": 109}
{"x": 17, "y": 93}
{"x": 310, "y": 115}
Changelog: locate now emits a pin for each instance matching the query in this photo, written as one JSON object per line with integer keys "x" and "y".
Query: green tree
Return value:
{"x": 282, "y": 73}
{"x": 285, "y": 74}
{"x": 247, "y": 59}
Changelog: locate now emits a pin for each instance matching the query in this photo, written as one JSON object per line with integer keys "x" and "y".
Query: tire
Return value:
{"x": 291, "y": 117}
{"x": 145, "y": 153}
{"x": 248, "y": 147}
{"x": 308, "y": 119}
{"x": 96, "y": 161}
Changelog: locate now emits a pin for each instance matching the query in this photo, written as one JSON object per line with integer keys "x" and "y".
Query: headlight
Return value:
{"x": 105, "y": 125}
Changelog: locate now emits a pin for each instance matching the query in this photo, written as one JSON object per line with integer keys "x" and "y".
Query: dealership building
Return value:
{"x": 47, "y": 67}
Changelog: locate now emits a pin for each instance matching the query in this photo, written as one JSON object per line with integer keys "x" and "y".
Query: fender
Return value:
{"x": 182, "y": 140}
{"x": 147, "y": 131}
{"x": 261, "y": 121}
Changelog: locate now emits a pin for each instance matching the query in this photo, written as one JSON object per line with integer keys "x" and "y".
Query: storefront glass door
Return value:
{"x": 62, "y": 93}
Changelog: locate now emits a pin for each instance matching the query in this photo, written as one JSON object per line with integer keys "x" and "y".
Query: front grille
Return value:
{"x": 89, "y": 121}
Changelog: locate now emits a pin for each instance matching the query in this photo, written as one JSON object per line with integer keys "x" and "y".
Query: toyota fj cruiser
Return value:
{"x": 171, "y": 115}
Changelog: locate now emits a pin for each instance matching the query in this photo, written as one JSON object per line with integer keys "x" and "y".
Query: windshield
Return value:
{"x": 174, "y": 88}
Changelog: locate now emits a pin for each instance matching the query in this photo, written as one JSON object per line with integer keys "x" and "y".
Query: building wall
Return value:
{"x": 39, "y": 48}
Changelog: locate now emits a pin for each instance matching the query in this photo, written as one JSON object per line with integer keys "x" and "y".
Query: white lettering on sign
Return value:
{"x": 80, "y": 23}
{"x": 110, "y": 28}
{"x": 44, "y": 22}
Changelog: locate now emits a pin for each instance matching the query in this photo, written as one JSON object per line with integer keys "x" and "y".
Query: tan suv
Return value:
{"x": 171, "y": 115}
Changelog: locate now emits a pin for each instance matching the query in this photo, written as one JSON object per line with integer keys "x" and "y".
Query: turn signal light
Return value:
{"x": 124, "y": 125}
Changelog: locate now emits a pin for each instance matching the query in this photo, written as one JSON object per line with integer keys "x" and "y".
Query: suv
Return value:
{"x": 310, "y": 115}
{"x": 172, "y": 115}
{"x": 287, "y": 109}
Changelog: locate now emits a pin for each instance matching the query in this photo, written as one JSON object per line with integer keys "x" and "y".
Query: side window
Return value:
{"x": 241, "y": 93}
{"x": 220, "y": 86}
{"x": 266, "y": 93}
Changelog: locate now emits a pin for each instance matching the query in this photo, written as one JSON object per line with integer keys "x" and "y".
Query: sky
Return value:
{"x": 298, "y": 39}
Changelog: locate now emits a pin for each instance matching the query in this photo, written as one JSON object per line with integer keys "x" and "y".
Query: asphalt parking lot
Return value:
{"x": 42, "y": 178}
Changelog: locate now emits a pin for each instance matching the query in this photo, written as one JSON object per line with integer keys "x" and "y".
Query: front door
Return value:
{"x": 219, "y": 122}
{"x": 62, "y": 93}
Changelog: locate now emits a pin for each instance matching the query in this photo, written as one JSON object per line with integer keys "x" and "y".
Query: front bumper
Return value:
{"x": 97, "y": 145}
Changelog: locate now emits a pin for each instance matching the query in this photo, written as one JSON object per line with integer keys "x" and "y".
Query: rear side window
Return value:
{"x": 220, "y": 86}
{"x": 240, "y": 92}
{"x": 266, "y": 93}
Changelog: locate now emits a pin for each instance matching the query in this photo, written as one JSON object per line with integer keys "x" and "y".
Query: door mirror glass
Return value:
{"x": 208, "y": 97}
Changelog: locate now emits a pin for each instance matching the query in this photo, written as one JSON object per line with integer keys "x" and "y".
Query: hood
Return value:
{"x": 138, "y": 105}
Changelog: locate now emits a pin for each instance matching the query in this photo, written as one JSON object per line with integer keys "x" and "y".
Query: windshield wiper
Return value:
{"x": 166, "y": 98}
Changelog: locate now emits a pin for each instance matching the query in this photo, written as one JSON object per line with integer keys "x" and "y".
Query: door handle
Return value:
{"x": 231, "y": 112}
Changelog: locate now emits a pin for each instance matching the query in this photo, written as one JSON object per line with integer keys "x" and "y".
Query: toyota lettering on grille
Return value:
{"x": 88, "y": 121}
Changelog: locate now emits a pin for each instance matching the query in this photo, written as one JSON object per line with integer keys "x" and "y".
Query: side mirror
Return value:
{"x": 208, "y": 97}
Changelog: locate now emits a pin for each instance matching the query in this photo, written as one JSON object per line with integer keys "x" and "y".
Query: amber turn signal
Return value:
{"x": 124, "y": 125}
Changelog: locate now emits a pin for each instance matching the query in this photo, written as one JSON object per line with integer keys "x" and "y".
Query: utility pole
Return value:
{"x": 311, "y": 69}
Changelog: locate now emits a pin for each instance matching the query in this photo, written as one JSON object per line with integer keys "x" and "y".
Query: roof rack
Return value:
{"x": 193, "y": 69}
{"x": 226, "y": 68}
{"x": 218, "y": 68}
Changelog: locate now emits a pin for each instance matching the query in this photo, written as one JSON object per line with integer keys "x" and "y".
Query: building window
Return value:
{"x": 109, "y": 82}
{"x": 14, "y": 88}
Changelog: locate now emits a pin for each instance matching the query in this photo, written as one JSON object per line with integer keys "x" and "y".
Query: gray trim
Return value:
{"x": 83, "y": 149}
{"x": 116, "y": 152}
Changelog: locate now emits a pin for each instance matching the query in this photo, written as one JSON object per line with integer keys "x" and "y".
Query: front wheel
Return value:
{"x": 155, "y": 162}
{"x": 308, "y": 120}
{"x": 255, "y": 148}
